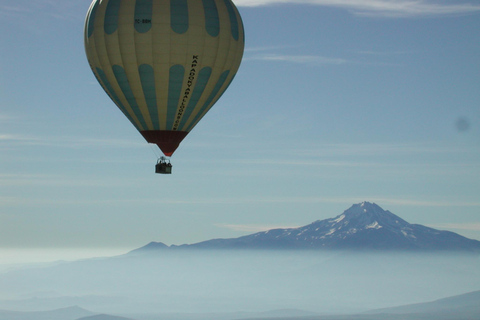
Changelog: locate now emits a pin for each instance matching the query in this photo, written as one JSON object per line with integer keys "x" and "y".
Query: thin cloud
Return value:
{"x": 475, "y": 226}
{"x": 384, "y": 53}
{"x": 314, "y": 163}
{"x": 422, "y": 203}
{"x": 252, "y": 228}
{"x": 66, "y": 142}
{"x": 301, "y": 59}
{"x": 8, "y": 201}
{"x": 4, "y": 117}
{"x": 471, "y": 226}
{"x": 269, "y": 48}
{"x": 385, "y": 8}
{"x": 345, "y": 201}
{"x": 12, "y": 137}
{"x": 12, "y": 10}
{"x": 56, "y": 180}
{"x": 382, "y": 201}
{"x": 36, "y": 11}
{"x": 362, "y": 154}
{"x": 368, "y": 149}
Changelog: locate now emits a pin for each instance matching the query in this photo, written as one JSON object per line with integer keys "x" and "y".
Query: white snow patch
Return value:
{"x": 330, "y": 232}
{"x": 409, "y": 235}
{"x": 339, "y": 218}
{"x": 350, "y": 231}
{"x": 302, "y": 232}
{"x": 374, "y": 225}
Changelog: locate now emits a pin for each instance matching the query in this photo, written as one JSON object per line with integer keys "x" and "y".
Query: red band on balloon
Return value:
{"x": 166, "y": 140}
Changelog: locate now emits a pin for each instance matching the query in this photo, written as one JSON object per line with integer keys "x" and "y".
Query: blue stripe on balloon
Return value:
{"x": 210, "y": 99}
{"x": 203, "y": 77}
{"x": 233, "y": 19}
{"x": 102, "y": 79}
{"x": 212, "y": 20}
{"x": 147, "y": 79}
{"x": 177, "y": 73}
{"x": 143, "y": 15}
{"x": 122, "y": 80}
{"x": 91, "y": 19}
{"x": 111, "y": 16}
{"x": 179, "y": 16}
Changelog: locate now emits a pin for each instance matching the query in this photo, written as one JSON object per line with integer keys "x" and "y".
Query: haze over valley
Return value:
{"x": 195, "y": 282}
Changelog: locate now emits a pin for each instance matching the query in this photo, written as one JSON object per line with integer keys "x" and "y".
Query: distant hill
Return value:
{"x": 364, "y": 226}
{"x": 71, "y": 313}
{"x": 467, "y": 304}
{"x": 461, "y": 307}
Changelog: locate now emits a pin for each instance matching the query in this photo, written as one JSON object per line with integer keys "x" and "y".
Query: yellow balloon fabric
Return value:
{"x": 164, "y": 62}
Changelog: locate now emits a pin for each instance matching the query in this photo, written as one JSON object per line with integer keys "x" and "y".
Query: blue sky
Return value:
{"x": 336, "y": 102}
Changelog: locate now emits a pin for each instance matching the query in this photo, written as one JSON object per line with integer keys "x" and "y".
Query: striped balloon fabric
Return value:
{"x": 164, "y": 62}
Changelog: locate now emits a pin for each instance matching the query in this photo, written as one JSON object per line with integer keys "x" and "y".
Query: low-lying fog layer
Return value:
{"x": 229, "y": 281}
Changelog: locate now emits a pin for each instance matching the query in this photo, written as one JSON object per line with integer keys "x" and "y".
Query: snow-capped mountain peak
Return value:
{"x": 368, "y": 215}
{"x": 363, "y": 226}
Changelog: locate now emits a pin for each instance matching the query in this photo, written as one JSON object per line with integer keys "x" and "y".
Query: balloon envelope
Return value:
{"x": 164, "y": 62}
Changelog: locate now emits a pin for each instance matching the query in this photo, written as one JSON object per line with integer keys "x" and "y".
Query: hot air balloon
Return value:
{"x": 164, "y": 63}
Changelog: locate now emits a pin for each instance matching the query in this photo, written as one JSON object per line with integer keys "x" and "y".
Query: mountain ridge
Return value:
{"x": 466, "y": 303}
{"x": 364, "y": 226}
{"x": 66, "y": 313}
